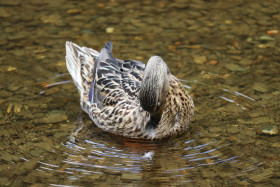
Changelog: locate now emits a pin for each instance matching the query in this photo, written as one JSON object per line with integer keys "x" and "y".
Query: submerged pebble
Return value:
{"x": 110, "y": 29}
{"x": 269, "y": 130}
{"x": 132, "y": 176}
{"x": 30, "y": 164}
{"x": 200, "y": 59}
{"x": 235, "y": 67}
{"x": 233, "y": 130}
{"x": 261, "y": 87}
{"x": 5, "y": 181}
{"x": 74, "y": 11}
{"x": 263, "y": 175}
{"x": 54, "y": 116}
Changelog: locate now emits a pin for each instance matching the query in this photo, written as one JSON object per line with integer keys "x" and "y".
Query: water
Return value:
{"x": 225, "y": 52}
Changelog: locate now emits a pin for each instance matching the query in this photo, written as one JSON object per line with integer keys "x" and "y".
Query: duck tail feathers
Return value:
{"x": 81, "y": 63}
{"x": 106, "y": 53}
{"x": 109, "y": 46}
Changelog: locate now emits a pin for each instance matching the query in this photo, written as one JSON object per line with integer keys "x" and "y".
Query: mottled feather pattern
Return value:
{"x": 182, "y": 105}
{"x": 80, "y": 64}
{"x": 109, "y": 90}
{"x": 119, "y": 75}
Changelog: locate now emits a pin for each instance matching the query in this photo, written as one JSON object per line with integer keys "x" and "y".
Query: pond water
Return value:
{"x": 226, "y": 53}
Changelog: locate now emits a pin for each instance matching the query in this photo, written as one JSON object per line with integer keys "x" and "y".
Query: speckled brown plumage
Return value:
{"x": 109, "y": 90}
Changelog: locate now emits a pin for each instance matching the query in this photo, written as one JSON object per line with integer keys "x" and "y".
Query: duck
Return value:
{"x": 127, "y": 97}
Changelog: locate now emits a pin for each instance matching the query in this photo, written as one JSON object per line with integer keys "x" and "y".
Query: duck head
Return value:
{"x": 154, "y": 86}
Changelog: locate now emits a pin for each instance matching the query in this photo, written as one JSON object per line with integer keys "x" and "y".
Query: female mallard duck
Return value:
{"x": 129, "y": 98}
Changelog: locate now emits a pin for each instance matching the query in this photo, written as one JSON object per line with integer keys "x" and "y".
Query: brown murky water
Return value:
{"x": 227, "y": 54}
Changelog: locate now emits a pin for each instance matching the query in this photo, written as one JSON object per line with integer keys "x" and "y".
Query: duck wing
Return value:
{"x": 115, "y": 80}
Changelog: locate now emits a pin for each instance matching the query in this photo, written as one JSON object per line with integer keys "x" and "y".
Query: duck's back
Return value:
{"x": 102, "y": 79}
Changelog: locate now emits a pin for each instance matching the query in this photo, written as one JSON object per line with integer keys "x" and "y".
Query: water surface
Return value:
{"x": 226, "y": 53}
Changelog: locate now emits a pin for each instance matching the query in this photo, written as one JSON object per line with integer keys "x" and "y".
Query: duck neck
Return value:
{"x": 155, "y": 118}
